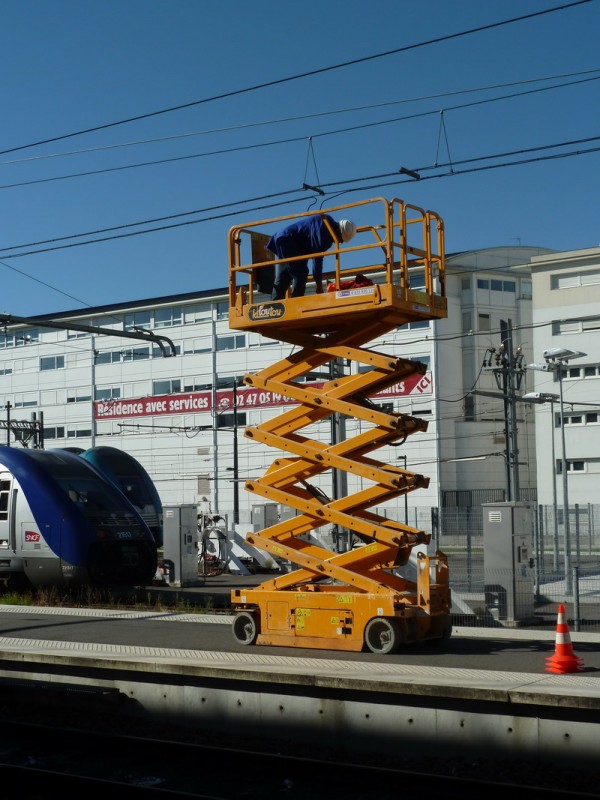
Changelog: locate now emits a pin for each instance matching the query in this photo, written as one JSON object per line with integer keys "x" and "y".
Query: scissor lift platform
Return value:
{"x": 357, "y": 598}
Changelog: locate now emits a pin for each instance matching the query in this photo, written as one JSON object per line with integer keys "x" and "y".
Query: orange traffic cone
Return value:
{"x": 564, "y": 659}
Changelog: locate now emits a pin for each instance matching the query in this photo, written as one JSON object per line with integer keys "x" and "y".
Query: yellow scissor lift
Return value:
{"x": 353, "y": 599}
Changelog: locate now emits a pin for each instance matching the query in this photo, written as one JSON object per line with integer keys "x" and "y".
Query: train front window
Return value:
{"x": 91, "y": 496}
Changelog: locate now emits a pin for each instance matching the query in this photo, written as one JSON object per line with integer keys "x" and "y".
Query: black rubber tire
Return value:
{"x": 245, "y": 628}
{"x": 383, "y": 635}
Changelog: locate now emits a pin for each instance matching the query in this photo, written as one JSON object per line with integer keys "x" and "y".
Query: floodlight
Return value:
{"x": 540, "y": 397}
{"x": 562, "y": 354}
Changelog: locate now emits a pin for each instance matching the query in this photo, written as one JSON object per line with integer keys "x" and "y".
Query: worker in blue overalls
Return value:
{"x": 303, "y": 238}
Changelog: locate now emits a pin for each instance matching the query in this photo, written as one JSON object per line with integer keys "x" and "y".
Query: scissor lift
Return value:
{"x": 353, "y": 599}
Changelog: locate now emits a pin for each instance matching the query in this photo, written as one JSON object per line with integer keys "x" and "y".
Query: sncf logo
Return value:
{"x": 266, "y": 311}
{"x": 32, "y": 536}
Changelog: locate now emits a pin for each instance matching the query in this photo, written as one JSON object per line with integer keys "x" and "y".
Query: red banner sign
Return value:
{"x": 247, "y": 397}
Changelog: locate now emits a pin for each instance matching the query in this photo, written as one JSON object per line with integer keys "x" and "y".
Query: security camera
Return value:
{"x": 562, "y": 354}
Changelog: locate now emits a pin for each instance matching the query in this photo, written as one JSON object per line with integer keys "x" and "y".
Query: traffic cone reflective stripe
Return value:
{"x": 564, "y": 659}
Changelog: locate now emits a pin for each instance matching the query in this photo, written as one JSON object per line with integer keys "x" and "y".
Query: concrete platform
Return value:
{"x": 360, "y": 705}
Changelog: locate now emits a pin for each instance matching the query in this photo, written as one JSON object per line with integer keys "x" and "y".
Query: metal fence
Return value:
{"x": 563, "y": 568}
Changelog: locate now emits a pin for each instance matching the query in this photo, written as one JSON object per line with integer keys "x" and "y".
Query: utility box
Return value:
{"x": 508, "y": 562}
{"x": 180, "y": 546}
{"x": 264, "y": 516}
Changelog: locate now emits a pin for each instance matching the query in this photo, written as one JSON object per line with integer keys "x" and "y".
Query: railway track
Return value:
{"x": 46, "y": 761}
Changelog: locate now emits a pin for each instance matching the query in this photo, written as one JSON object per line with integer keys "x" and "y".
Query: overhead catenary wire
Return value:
{"x": 298, "y": 76}
{"x": 288, "y": 140}
{"x": 451, "y": 173}
{"x": 296, "y": 118}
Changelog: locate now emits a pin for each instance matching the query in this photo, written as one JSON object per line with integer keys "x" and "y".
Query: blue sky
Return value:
{"x": 70, "y": 66}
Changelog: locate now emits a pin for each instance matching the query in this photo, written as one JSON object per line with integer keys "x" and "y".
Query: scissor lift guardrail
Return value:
{"x": 356, "y": 598}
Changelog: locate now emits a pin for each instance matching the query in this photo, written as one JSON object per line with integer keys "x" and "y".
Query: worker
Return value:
{"x": 303, "y": 238}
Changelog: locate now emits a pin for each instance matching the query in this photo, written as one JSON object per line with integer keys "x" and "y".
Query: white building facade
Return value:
{"x": 566, "y": 315}
{"x": 175, "y": 414}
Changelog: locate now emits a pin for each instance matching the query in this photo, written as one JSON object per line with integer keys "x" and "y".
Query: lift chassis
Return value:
{"x": 391, "y": 274}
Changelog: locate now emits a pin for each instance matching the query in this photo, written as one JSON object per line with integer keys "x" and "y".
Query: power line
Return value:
{"x": 288, "y": 140}
{"x": 310, "y": 73}
{"x": 297, "y": 118}
{"x": 450, "y": 173}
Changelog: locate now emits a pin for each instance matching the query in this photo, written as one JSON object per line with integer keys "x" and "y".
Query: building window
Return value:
{"x": 166, "y": 387}
{"x": 236, "y": 342}
{"x": 422, "y": 360}
{"x": 226, "y": 420}
{"x": 561, "y": 327}
{"x": 199, "y": 313}
{"x": 254, "y": 340}
{"x": 483, "y": 283}
{"x": 31, "y": 336}
{"x": 25, "y": 400}
{"x": 414, "y": 326}
{"x": 136, "y": 354}
{"x": 203, "y": 345}
{"x": 109, "y": 393}
{"x": 140, "y": 319}
{"x": 526, "y": 290}
{"x": 167, "y": 317}
{"x": 469, "y": 408}
{"x": 7, "y": 340}
{"x": 52, "y": 362}
{"x": 574, "y": 279}
{"x": 196, "y": 385}
{"x": 417, "y": 279}
{"x": 57, "y": 432}
{"x": 572, "y": 466}
{"x": 78, "y": 395}
{"x": 226, "y": 382}
{"x": 27, "y": 337}
{"x": 158, "y": 353}
{"x": 581, "y": 373}
{"x": 108, "y": 357}
{"x": 590, "y": 418}
{"x": 78, "y": 432}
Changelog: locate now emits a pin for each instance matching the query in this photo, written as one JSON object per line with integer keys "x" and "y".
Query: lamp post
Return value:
{"x": 236, "y": 487}
{"x": 556, "y": 358}
{"x": 548, "y": 397}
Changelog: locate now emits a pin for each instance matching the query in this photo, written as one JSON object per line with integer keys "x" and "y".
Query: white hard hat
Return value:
{"x": 347, "y": 229}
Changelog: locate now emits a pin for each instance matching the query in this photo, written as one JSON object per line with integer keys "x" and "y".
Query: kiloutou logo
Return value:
{"x": 266, "y": 311}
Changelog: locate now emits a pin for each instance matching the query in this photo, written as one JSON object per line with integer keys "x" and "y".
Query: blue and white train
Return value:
{"x": 64, "y": 523}
{"x": 131, "y": 478}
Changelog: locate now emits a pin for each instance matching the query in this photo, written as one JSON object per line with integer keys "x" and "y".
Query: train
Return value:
{"x": 131, "y": 478}
{"x": 64, "y": 523}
